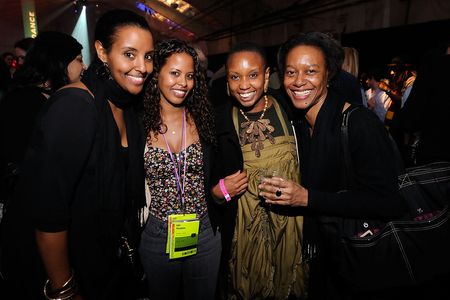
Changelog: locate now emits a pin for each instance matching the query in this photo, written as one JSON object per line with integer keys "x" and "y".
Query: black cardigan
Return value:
{"x": 373, "y": 161}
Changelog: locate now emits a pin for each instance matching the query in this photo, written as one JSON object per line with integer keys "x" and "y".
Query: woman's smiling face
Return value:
{"x": 130, "y": 57}
{"x": 247, "y": 76}
{"x": 305, "y": 76}
{"x": 176, "y": 78}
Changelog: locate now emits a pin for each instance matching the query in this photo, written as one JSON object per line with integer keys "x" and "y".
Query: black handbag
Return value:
{"x": 402, "y": 252}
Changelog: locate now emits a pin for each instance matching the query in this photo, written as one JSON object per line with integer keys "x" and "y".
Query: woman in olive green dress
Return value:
{"x": 261, "y": 243}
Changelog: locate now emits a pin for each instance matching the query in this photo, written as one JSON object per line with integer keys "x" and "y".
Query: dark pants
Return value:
{"x": 193, "y": 277}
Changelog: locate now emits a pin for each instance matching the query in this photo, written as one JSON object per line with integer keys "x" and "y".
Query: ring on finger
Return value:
{"x": 278, "y": 193}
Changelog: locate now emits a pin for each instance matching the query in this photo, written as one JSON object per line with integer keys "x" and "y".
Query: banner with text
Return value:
{"x": 30, "y": 26}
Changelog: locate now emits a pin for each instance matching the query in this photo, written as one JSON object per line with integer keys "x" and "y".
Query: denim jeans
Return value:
{"x": 193, "y": 277}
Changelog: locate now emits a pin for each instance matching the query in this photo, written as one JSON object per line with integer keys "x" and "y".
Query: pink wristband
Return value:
{"x": 224, "y": 190}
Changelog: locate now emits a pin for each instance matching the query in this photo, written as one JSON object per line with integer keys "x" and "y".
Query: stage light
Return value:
{"x": 80, "y": 32}
{"x": 79, "y": 5}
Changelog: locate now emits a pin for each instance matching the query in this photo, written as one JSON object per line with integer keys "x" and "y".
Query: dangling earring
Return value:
{"x": 228, "y": 90}
{"x": 266, "y": 80}
{"x": 107, "y": 70}
{"x": 104, "y": 71}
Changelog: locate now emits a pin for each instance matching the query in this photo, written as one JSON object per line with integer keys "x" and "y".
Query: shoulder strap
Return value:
{"x": 348, "y": 169}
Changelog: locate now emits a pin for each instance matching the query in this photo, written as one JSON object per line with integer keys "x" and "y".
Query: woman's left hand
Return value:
{"x": 279, "y": 191}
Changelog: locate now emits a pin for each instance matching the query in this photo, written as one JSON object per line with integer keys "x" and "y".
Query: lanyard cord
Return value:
{"x": 177, "y": 163}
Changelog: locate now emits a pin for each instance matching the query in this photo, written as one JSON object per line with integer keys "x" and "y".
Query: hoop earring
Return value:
{"x": 228, "y": 90}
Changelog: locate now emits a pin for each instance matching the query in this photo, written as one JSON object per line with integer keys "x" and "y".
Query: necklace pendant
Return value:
{"x": 256, "y": 132}
{"x": 173, "y": 132}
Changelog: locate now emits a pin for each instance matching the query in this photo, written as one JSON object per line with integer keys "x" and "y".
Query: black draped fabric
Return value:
{"x": 75, "y": 178}
{"x": 107, "y": 89}
{"x": 318, "y": 157}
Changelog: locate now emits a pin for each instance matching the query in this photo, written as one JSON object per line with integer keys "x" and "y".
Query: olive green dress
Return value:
{"x": 266, "y": 261}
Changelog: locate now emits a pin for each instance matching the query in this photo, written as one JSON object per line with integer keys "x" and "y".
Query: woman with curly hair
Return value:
{"x": 180, "y": 136}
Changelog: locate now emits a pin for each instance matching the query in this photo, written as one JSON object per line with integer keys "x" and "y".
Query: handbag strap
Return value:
{"x": 348, "y": 169}
{"x": 148, "y": 196}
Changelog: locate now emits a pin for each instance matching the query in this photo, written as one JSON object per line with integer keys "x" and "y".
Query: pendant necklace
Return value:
{"x": 256, "y": 132}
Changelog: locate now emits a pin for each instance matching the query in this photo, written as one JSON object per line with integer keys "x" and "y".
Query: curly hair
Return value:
{"x": 196, "y": 103}
{"x": 332, "y": 51}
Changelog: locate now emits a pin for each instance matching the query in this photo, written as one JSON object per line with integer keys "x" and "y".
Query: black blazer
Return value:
{"x": 228, "y": 161}
{"x": 213, "y": 207}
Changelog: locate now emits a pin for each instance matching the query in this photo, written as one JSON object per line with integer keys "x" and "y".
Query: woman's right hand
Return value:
{"x": 235, "y": 184}
{"x": 279, "y": 191}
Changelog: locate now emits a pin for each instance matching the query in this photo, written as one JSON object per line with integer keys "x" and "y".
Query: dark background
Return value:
{"x": 377, "y": 47}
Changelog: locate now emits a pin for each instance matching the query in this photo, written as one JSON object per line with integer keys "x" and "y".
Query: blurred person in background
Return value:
{"x": 54, "y": 61}
{"x": 21, "y": 47}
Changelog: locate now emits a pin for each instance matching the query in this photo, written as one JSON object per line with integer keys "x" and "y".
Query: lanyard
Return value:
{"x": 177, "y": 163}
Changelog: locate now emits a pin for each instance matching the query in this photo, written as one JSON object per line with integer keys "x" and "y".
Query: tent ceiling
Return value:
{"x": 219, "y": 22}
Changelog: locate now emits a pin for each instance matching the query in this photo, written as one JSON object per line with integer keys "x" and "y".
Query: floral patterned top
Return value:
{"x": 162, "y": 182}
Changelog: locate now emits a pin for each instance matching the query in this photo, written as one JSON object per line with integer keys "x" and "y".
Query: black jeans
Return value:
{"x": 193, "y": 277}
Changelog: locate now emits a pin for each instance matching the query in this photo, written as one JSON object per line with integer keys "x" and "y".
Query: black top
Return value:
{"x": 74, "y": 178}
